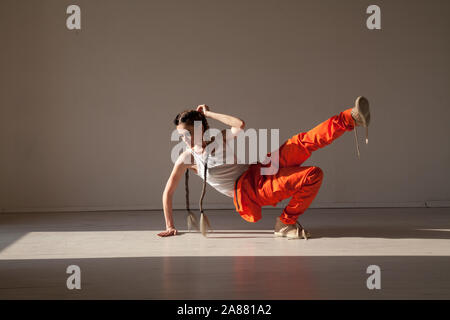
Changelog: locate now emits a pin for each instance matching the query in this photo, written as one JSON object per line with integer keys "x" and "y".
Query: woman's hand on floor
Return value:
{"x": 169, "y": 232}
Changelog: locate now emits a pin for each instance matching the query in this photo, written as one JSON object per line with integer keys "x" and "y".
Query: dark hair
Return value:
{"x": 188, "y": 117}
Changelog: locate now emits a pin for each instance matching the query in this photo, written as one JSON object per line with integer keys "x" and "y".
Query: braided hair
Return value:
{"x": 188, "y": 117}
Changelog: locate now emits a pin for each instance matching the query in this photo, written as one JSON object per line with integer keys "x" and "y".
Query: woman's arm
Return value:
{"x": 235, "y": 123}
{"x": 177, "y": 172}
{"x": 167, "y": 205}
{"x": 224, "y": 118}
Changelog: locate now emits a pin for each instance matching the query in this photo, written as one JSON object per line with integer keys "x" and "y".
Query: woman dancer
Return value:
{"x": 250, "y": 189}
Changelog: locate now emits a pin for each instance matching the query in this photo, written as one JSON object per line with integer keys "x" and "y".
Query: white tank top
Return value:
{"x": 222, "y": 171}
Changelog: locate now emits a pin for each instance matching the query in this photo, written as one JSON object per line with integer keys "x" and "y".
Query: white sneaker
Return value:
{"x": 292, "y": 231}
{"x": 361, "y": 115}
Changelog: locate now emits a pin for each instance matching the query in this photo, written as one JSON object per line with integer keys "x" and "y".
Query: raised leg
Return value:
{"x": 298, "y": 148}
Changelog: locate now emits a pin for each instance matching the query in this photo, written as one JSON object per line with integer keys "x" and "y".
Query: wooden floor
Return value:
{"x": 121, "y": 257}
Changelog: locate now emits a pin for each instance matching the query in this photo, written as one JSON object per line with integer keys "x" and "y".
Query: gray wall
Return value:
{"x": 86, "y": 115}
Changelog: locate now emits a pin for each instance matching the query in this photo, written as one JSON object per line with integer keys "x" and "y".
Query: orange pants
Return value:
{"x": 254, "y": 190}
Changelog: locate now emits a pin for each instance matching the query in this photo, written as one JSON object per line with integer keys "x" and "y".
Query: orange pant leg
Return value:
{"x": 301, "y": 183}
{"x": 255, "y": 190}
{"x": 299, "y": 147}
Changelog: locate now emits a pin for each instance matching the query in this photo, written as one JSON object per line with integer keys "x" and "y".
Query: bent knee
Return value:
{"x": 315, "y": 175}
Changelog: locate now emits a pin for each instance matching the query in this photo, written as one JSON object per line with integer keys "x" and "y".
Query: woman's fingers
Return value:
{"x": 202, "y": 108}
{"x": 168, "y": 233}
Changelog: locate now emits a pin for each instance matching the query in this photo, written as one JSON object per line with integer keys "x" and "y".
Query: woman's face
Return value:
{"x": 187, "y": 134}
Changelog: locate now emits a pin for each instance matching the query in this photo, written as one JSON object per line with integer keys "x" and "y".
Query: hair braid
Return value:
{"x": 189, "y": 117}
{"x": 191, "y": 219}
{"x": 204, "y": 221}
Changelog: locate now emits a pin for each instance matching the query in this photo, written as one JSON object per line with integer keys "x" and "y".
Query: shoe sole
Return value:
{"x": 279, "y": 234}
{"x": 362, "y": 106}
{"x": 282, "y": 235}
